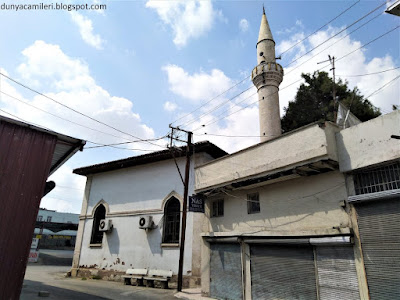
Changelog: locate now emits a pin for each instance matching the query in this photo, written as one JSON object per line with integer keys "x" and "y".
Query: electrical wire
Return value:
{"x": 54, "y": 115}
{"x": 355, "y": 22}
{"x": 358, "y": 20}
{"x": 382, "y": 87}
{"x": 214, "y": 121}
{"x": 370, "y": 42}
{"x": 100, "y": 145}
{"x": 320, "y": 28}
{"x": 188, "y": 114}
{"x": 335, "y": 43}
{"x": 217, "y": 107}
{"x": 74, "y": 110}
{"x": 367, "y": 74}
{"x": 366, "y": 44}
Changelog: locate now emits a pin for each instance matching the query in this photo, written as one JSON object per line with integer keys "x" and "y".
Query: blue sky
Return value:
{"x": 140, "y": 65}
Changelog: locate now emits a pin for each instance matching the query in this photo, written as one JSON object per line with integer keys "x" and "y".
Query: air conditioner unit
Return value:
{"x": 146, "y": 222}
{"x": 105, "y": 225}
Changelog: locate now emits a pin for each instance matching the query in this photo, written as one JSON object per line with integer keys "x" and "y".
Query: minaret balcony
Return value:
{"x": 267, "y": 74}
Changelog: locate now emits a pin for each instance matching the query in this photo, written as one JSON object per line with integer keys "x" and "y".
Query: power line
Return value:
{"x": 298, "y": 66}
{"x": 45, "y": 111}
{"x": 355, "y": 22}
{"x": 233, "y": 136}
{"x": 217, "y": 107}
{"x": 379, "y": 72}
{"x": 320, "y": 27}
{"x": 375, "y": 39}
{"x": 72, "y": 109}
{"x": 211, "y": 100}
{"x": 370, "y": 42}
{"x": 245, "y": 106}
{"x": 382, "y": 87}
{"x": 188, "y": 123}
{"x": 100, "y": 145}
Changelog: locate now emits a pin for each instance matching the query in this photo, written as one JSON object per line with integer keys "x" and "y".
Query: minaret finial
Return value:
{"x": 263, "y": 10}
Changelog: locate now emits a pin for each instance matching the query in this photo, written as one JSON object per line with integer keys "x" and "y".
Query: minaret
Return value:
{"x": 267, "y": 76}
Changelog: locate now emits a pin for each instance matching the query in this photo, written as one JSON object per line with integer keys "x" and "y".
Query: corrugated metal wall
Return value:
{"x": 226, "y": 272}
{"x": 337, "y": 275}
{"x": 282, "y": 272}
{"x": 379, "y": 225}
{"x": 25, "y": 159}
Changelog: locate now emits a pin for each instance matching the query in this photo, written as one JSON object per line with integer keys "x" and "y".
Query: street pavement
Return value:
{"x": 48, "y": 275}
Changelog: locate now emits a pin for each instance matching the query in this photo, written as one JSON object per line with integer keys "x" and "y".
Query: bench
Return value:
{"x": 137, "y": 274}
{"x": 161, "y": 276}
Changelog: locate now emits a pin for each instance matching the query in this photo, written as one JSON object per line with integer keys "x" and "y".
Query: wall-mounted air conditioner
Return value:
{"x": 105, "y": 225}
{"x": 146, "y": 222}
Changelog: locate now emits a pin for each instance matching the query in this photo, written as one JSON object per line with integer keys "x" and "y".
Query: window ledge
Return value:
{"x": 170, "y": 245}
{"x": 95, "y": 245}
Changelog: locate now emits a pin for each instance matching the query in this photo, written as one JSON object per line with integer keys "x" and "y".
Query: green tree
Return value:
{"x": 314, "y": 102}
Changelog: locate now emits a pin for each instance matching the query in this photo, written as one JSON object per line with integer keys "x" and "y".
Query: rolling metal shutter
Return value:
{"x": 379, "y": 226}
{"x": 337, "y": 275}
{"x": 226, "y": 272}
{"x": 282, "y": 272}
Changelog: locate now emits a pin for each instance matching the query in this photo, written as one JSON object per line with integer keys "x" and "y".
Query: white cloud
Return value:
{"x": 170, "y": 106}
{"x": 243, "y": 25}
{"x": 293, "y": 41}
{"x": 198, "y": 86}
{"x": 187, "y": 18}
{"x": 68, "y": 80}
{"x": 86, "y": 30}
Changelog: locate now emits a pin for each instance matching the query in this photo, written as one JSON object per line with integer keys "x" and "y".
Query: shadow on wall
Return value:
{"x": 113, "y": 241}
{"x": 154, "y": 239}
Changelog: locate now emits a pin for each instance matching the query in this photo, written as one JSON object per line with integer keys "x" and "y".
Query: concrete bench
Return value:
{"x": 137, "y": 274}
{"x": 161, "y": 276}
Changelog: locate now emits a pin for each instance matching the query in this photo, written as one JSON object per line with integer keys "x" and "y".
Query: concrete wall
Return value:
{"x": 297, "y": 147}
{"x": 58, "y": 217}
{"x": 297, "y": 207}
{"x": 128, "y": 194}
{"x": 369, "y": 143}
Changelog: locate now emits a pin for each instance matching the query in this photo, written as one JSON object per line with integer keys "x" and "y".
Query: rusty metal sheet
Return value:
{"x": 25, "y": 160}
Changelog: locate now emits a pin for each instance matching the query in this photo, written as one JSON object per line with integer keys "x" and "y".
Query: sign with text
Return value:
{"x": 196, "y": 203}
{"x": 35, "y": 242}
{"x": 33, "y": 256}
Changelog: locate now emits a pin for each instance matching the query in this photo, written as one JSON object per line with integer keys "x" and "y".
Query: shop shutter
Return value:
{"x": 379, "y": 226}
{"x": 337, "y": 275}
{"x": 282, "y": 272}
{"x": 226, "y": 272}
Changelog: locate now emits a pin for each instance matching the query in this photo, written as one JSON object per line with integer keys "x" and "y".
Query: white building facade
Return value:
{"x": 122, "y": 192}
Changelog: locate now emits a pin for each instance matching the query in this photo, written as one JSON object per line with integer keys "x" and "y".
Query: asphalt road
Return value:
{"x": 49, "y": 275}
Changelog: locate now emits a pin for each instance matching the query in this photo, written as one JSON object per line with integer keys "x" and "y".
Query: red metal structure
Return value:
{"x": 28, "y": 155}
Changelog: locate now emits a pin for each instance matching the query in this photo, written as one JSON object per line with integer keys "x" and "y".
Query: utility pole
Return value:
{"x": 332, "y": 61}
{"x": 185, "y": 198}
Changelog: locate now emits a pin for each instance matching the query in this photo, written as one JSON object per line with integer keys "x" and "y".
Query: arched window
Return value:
{"x": 97, "y": 235}
{"x": 171, "y": 221}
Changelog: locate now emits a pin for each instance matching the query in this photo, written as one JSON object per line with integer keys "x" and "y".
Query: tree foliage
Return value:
{"x": 314, "y": 102}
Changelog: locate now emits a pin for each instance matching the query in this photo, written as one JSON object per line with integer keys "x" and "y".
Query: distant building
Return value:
{"x": 46, "y": 215}
{"x": 140, "y": 199}
{"x": 28, "y": 156}
{"x": 57, "y": 230}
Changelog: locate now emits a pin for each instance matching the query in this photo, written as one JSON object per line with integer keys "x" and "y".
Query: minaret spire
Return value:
{"x": 267, "y": 76}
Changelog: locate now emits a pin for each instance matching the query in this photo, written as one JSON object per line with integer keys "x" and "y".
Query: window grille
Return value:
{"x": 97, "y": 235}
{"x": 378, "y": 180}
{"x": 39, "y": 218}
{"x": 49, "y": 219}
{"x": 217, "y": 208}
{"x": 253, "y": 203}
{"x": 172, "y": 221}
